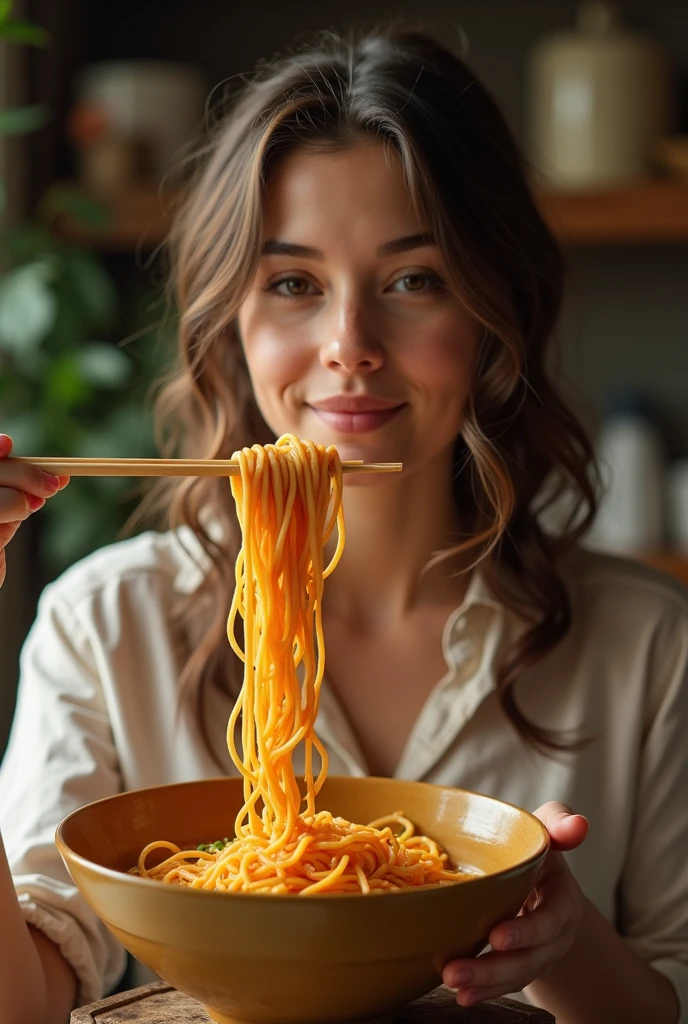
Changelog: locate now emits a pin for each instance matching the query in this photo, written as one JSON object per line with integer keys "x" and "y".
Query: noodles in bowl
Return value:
{"x": 289, "y": 501}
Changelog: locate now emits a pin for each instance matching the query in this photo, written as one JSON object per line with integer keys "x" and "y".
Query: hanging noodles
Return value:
{"x": 289, "y": 500}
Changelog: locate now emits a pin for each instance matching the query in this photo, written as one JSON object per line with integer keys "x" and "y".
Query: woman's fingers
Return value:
{"x": 528, "y": 946}
{"x": 566, "y": 829}
{"x": 501, "y": 973}
{"x": 25, "y": 477}
{"x": 537, "y": 928}
{"x": 23, "y": 488}
{"x": 471, "y": 996}
{"x": 14, "y": 505}
{"x": 17, "y": 505}
{"x": 552, "y": 905}
{"x": 509, "y": 971}
{"x": 7, "y": 532}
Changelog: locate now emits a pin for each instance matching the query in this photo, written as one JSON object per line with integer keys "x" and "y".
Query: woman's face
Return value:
{"x": 350, "y": 334}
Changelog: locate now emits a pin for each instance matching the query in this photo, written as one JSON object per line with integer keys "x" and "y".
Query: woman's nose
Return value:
{"x": 350, "y": 345}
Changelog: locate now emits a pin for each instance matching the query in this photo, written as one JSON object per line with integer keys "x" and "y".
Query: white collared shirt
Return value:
{"x": 96, "y": 715}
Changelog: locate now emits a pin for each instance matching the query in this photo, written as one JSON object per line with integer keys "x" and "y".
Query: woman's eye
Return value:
{"x": 292, "y": 287}
{"x": 420, "y": 282}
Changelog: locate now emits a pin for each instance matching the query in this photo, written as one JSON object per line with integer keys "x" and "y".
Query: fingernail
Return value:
{"x": 510, "y": 939}
{"x": 51, "y": 482}
{"x": 34, "y": 502}
{"x": 462, "y": 977}
{"x": 5, "y": 444}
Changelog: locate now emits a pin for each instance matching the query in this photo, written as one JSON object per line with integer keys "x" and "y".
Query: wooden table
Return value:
{"x": 161, "y": 1004}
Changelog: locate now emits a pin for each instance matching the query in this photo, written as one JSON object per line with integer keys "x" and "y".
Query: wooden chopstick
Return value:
{"x": 170, "y": 467}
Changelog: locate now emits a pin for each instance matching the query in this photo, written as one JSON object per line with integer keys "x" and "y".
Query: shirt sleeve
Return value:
{"x": 60, "y": 756}
{"x": 653, "y": 895}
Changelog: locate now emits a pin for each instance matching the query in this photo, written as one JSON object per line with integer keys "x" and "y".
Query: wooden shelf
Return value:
{"x": 139, "y": 218}
{"x": 648, "y": 212}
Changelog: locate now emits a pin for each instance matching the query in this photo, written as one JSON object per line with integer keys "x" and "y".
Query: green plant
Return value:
{"x": 64, "y": 390}
{"x": 65, "y": 387}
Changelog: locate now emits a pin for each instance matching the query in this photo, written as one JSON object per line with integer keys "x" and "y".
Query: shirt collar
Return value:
{"x": 194, "y": 562}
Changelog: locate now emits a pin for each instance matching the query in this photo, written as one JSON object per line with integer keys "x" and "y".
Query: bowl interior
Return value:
{"x": 480, "y": 834}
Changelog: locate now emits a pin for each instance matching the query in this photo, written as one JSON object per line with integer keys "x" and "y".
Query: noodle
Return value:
{"x": 289, "y": 500}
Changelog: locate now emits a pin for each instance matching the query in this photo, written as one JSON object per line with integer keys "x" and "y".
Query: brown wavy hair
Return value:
{"x": 520, "y": 448}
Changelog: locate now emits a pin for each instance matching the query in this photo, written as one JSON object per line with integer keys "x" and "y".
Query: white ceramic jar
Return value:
{"x": 597, "y": 99}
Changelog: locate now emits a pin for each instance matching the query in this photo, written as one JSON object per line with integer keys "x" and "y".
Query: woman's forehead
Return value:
{"x": 361, "y": 189}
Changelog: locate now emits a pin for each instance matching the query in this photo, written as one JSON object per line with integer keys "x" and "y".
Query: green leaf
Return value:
{"x": 26, "y": 243}
{"x": 5, "y": 10}
{"x": 72, "y": 325}
{"x": 28, "y": 307}
{"x": 65, "y": 385}
{"x": 24, "y": 32}
{"x": 71, "y": 201}
{"x": 93, "y": 287}
{"x": 103, "y": 364}
{"x": 20, "y": 120}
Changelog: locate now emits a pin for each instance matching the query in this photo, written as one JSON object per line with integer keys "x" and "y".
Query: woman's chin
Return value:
{"x": 369, "y": 480}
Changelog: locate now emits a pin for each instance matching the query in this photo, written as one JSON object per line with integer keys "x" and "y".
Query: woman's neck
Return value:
{"x": 393, "y": 528}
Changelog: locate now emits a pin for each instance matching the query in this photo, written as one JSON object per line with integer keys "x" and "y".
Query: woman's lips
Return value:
{"x": 356, "y": 414}
{"x": 357, "y": 422}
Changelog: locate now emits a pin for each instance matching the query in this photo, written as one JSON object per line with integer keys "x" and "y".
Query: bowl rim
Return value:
{"x": 326, "y": 898}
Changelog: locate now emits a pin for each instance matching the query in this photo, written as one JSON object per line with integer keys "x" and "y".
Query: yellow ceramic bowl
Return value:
{"x": 255, "y": 959}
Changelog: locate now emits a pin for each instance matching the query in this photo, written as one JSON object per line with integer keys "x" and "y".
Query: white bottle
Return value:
{"x": 631, "y": 454}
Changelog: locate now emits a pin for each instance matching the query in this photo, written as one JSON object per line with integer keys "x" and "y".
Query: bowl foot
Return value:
{"x": 222, "y": 1018}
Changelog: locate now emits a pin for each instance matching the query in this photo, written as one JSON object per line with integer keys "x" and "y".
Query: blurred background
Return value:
{"x": 98, "y": 104}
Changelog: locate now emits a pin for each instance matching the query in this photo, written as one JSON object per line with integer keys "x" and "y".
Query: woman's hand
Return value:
{"x": 23, "y": 490}
{"x": 529, "y": 946}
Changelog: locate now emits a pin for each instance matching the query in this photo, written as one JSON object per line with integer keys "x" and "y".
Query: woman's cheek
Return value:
{"x": 277, "y": 364}
{"x": 273, "y": 355}
{"x": 444, "y": 362}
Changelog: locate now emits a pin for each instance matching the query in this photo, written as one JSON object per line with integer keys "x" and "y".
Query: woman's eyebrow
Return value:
{"x": 274, "y": 247}
{"x": 404, "y": 244}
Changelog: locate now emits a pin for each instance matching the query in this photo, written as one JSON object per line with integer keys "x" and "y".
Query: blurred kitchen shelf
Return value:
{"x": 653, "y": 211}
{"x": 649, "y": 212}
{"x": 139, "y": 218}
{"x": 671, "y": 562}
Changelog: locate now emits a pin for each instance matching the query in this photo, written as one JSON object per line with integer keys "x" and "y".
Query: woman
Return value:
{"x": 361, "y": 263}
